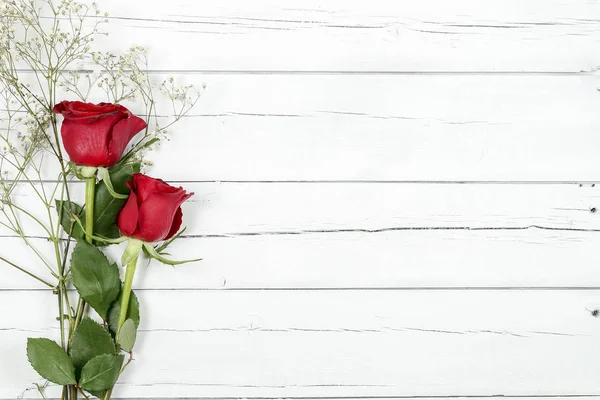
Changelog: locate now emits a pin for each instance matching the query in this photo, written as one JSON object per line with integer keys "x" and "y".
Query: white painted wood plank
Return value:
{"x": 366, "y": 235}
{"x": 379, "y": 35}
{"x": 352, "y": 343}
{"x": 237, "y": 209}
{"x": 389, "y": 128}
{"x": 445, "y": 258}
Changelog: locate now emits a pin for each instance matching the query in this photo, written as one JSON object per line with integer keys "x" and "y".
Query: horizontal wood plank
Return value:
{"x": 337, "y": 35}
{"x": 385, "y": 128}
{"x": 345, "y": 235}
{"x": 404, "y": 259}
{"x": 356, "y": 343}
{"x": 398, "y": 284}
{"x": 236, "y": 209}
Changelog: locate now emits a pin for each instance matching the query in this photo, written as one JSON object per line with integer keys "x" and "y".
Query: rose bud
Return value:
{"x": 153, "y": 210}
{"x": 96, "y": 135}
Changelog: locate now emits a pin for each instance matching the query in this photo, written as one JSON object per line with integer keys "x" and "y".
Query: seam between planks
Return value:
{"x": 352, "y": 289}
{"x": 358, "y": 181}
{"x": 363, "y": 230}
{"x": 590, "y": 72}
{"x": 499, "y": 396}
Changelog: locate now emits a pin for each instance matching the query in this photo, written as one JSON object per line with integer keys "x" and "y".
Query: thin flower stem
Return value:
{"x": 108, "y": 394}
{"x": 126, "y": 293}
{"x": 51, "y": 286}
{"x": 82, "y": 392}
{"x": 79, "y": 313}
{"x": 90, "y": 193}
{"x": 33, "y": 217}
{"x": 124, "y": 307}
{"x": 16, "y": 228}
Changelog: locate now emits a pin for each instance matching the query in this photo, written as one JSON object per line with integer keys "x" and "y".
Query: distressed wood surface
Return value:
{"x": 372, "y": 235}
{"x": 384, "y": 128}
{"x": 379, "y": 35}
{"x": 230, "y": 209}
{"x": 393, "y": 200}
{"x": 342, "y": 343}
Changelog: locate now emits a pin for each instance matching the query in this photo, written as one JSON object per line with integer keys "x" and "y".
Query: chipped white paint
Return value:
{"x": 344, "y": 254}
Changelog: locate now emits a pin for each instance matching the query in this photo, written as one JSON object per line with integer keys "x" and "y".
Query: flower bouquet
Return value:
{"x": 98, "y": 152}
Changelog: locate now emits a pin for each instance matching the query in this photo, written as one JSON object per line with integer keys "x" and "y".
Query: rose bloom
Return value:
{"x": 96, "y": 135}
{"x": 153, "y": 210}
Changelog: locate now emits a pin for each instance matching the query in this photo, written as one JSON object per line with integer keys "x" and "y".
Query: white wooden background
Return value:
{"x": 393, "y": 199}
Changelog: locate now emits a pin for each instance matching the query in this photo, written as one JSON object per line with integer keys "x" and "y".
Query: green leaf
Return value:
{"x": 96, "y": 280}
{"x": 107, "y": 207}
{"x": 90, "y": 340}
{"x": 101, "y": 372}
{"x": 51, "y": 361}
{"x": 133, "y": 312}
{"x": 67, "y": 221}
{"x": 98, "y": 393}
{"x": 127, "y": 335}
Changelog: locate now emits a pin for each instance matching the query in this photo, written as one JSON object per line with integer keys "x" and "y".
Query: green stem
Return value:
{"x": 124, "y": 306}
{"x": 61, "y": 315}
{"x": 126, "y": 293}
{"x": 51, "y": 286}
{"x": 90, "y": 195}
{"x": 108, "y": 394}
{"x": 79, "y": 313}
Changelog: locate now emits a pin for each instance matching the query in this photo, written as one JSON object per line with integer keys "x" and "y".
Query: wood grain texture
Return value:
{"x": 379, "y": 35}
{"x": 385, "y": 128}
{"x": 393, "y": 200}
{"x": 354, "y": 343}
{"x": 371, "y": 235}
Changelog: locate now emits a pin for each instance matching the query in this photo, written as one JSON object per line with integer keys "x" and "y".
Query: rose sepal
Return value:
{"x": 81, "y": 171}
{"x": 163, "y": 247}
{"x": 151, "y": 251}
{"x": 132, "y": 251}
{"x": 105, "y": 175}
{"x": 101, "y": 238}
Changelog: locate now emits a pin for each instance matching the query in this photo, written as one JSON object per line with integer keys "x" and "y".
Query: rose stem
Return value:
{"x": 126, "y": 294}
{"x": 124, "y": 306}
{"x": 90, "y": 195}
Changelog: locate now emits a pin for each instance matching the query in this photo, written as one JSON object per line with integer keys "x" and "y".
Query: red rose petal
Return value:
{"x": 128, "y": 217}
{"x": 122, "y": 134}
{"x": 146, "y": 186}
{"x": 94, "y": 134}
{"x": 177, "y": 220}
{"x": 87, "y": 143}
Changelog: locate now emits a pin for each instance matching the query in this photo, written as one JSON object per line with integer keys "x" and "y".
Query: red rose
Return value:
{"x": 95, "y": 135}
{"x": 153, "y": 211}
